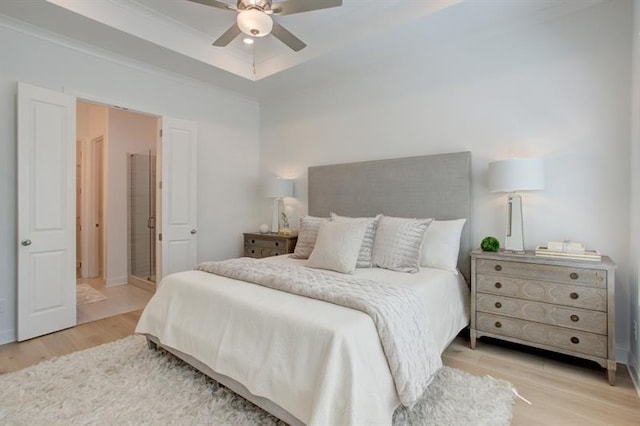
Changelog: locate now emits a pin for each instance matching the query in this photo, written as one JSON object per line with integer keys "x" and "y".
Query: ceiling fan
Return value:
{"x": 255, "y": 18}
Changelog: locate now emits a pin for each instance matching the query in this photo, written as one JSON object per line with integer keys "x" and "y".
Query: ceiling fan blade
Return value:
{"x": 215, "y": 3}
{"x": 298, "y": 6}
{"x": 228, "y": 36}
{"x": 282, "y": 34}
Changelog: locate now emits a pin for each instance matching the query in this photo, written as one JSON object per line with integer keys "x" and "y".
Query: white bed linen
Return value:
{"x": 323, "y": 363}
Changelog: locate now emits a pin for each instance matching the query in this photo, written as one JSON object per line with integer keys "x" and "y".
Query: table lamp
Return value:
{"x": 278, "y": 189}
{"x": 513, "y": 175}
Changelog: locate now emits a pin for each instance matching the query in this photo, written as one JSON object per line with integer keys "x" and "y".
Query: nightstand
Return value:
{"x": 264, "y": 245}
{"x": 561, "y": 305}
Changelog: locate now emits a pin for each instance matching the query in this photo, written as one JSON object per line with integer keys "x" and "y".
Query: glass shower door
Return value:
{"x": 142, "y": 221}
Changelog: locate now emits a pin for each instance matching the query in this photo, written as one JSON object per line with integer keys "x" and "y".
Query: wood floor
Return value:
{"x": 120, "y": 299}
{"x": 562, "y": 391}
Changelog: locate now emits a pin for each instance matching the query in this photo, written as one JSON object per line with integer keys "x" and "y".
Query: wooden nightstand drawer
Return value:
{"x": 574, "y": 318}
{"x": 547, "y": 335}
{"x": 260, "y": 252}
{"x": 267, "y": 243}
{"x": 589, "y": 277}
{"x": 540, "y": 291}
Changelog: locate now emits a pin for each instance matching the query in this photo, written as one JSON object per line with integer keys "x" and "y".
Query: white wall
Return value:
{"x": 91, "y": 123}
{"x": 557, "y": 89}
{"x": 228, "y": 135}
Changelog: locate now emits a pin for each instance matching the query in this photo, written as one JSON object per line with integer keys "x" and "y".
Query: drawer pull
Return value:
{"x": 253, "y": 241}
{"x": 574, "y": 295}
{"x": 276, "y": 254}
{"x": 498, "y": 268}
{"x": 575, "y": 318}
{"x": 498, "y": 285}
{"x": 498, "y": 324}
{"x": 253, "y": 251}
{"x": 573, "y": 276}
{"x": 277, "y": 243}
{"x": 498, "y": 305}
{"x": 575, "y": 340}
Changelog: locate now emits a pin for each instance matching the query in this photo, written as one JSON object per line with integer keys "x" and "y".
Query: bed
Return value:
{"x": 304, "y": 360}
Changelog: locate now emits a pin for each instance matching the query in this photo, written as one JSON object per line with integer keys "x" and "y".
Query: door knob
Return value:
{"x": 26, "y": 242}
{"x": 193, "y": 231}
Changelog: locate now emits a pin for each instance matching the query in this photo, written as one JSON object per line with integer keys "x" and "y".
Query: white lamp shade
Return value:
{"x": 254, "y": 23}
{"x": 516, "y": 174}
{"x": 278, "y": 188}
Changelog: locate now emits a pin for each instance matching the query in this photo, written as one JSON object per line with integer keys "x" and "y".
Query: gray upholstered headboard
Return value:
{"x": 437, "y": 186}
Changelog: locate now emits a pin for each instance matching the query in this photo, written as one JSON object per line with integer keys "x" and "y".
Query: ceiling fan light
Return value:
{"x": 254, "y": 22}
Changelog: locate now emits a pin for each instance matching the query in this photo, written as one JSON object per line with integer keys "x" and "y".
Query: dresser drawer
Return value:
{"x": 260, "y": 252}
{"x": 556, "y": 337}
{"x": 564, "y": 274}
{"x": 266, "y": 243}
{"x": 540, "y": 291}
{"x": 574, "y": 318}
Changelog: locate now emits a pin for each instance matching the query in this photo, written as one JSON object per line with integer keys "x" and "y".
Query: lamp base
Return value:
{"x": 275, "y": 218}
{"x": 514, "y": 238}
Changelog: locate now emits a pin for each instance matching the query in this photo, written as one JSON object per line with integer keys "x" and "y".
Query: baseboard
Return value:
{"x": 633, "y": 372}
{"x": 143, "y": 284}
{"x": 115, "y": 281}
{"x": 7, "y": 336}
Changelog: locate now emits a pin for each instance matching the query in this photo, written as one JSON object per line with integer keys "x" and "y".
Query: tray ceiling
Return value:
{"x": 176, "y": 35}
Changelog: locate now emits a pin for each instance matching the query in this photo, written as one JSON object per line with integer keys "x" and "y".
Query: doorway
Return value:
{"x": 47, "y": 126}
{"x": 107, "y": 138}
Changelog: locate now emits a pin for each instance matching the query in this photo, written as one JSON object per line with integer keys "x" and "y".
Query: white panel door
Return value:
{"x": 178, "y": 193}
{"x": 46, "y": 211}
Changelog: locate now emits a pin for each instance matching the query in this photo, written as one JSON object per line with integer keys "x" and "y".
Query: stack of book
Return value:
{"x": 567, "y": 250}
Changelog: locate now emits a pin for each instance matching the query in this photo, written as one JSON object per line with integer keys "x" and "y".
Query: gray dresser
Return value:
{"x": 561, "y": 305}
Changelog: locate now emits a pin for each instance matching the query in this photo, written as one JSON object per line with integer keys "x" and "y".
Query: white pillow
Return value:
{"x": 442, "y": 244}
{"x": 365, "y": 257}
{"x": 307, "y": 234}
{"x": 398, "y": 242}
{"x": 337, "y": 246}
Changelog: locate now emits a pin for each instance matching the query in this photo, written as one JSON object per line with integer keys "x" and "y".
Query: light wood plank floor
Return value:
{"x": 15, "y": 356}
{"x": 120, "y": 299}
{"x": 563, "y": 391}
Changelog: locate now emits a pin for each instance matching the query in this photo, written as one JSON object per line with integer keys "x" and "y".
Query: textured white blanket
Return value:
{"x": 398, "y": 315}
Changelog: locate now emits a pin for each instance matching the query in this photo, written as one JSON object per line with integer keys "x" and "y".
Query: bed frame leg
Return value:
{"x": 151, "y": 344}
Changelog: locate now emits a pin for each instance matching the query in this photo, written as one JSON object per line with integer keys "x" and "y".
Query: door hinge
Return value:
{"x": 160, "y": 132}
{"x": 160, "y": 185}
{"x": 160, "y": 236}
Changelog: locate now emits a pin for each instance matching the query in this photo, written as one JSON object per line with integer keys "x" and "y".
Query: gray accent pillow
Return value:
{"x": 398, "y": 242}
{"x": 307, "y": 235}
{"x": 365, "y": 257}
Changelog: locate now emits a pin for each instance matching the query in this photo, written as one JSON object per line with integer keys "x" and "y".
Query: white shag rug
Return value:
{"x": 125, "y": 383}
{"x": 87, "y": 294}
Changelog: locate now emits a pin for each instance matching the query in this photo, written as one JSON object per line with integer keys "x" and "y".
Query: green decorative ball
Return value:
{"x": 490, "y": 244}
